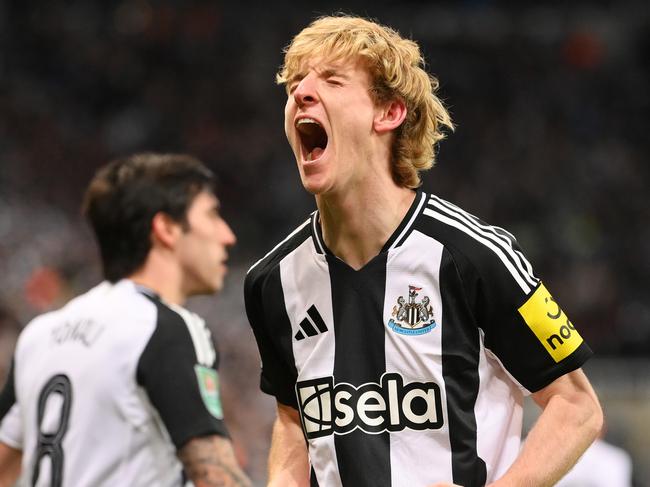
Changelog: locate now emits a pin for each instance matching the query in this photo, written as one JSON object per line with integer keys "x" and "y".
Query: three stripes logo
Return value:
{"x": 312, "y": 325}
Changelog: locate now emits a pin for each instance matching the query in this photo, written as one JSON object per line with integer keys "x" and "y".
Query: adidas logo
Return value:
{"x": 312, "y": 325}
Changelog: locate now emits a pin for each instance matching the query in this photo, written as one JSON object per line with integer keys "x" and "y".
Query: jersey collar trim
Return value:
{"x": 404, "y": 229}
{"x": 146, "y": 291}
{"x": 316, "y": 234}
{"x": 397, "y": 238}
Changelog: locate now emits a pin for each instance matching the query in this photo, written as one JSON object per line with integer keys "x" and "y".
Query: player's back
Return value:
{"x": 85, "y": 420}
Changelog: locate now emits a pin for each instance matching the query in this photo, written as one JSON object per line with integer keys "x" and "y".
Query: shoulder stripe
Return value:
{"x": 200, "y": 334}
{"x": 278, "y": 245}
{"x": 496, "y": 234}
{"x": 416, "y": 213}
{"x": 501, "y": 234}
{"x": 489, "y": 244}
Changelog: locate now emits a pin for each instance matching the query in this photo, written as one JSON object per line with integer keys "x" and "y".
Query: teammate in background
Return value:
{"x": 118, "y": 385}
{"x": 387, "y": 396}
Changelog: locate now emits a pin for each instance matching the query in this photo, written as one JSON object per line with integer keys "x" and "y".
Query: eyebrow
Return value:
{"x": 295, "y": 77}
{"x": 326, "y": 73}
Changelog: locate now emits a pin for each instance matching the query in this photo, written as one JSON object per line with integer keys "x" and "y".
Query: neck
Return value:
{"x": 357, "y": 224}
{"x": 161, "y": 277}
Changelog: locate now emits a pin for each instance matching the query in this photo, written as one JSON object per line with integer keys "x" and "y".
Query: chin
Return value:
{"x": 315, "y": 185}
{"x": 206, "y": 288}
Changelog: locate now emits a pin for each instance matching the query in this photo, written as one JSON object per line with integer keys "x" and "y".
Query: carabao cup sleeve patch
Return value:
{"x": 209, "y": 386}
{"x": 550, "y": 325}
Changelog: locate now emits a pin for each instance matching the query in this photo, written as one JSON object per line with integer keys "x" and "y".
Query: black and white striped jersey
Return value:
{"x": 411, "y": 370}
{"x": 104, "y": 391}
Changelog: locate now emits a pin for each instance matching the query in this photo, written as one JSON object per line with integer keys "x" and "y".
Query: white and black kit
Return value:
{"x": 105, "y": 390}
{"x": 411, "y": 370}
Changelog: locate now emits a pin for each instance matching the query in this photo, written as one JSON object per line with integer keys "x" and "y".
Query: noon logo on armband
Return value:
{"x": 327, "y": 408}
{"x": 549, "y": 323}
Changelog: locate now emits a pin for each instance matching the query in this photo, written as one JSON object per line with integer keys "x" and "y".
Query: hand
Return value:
{"x": 445, "y": 484}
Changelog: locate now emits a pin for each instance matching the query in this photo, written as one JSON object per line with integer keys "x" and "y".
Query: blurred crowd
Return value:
{"x": 551, "y": 104}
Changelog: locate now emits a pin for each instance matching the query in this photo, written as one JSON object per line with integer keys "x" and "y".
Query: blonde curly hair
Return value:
{"x": 397, "y": 70}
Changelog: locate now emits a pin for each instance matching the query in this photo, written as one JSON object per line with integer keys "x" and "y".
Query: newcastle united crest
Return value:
{"x": 413, "y": 317}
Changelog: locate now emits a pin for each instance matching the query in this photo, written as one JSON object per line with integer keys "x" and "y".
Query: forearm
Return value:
{"x": 210, "y": 462}
{"x": 567, "y": 426}
{"x": 288, "y": 459}
{"x": 10, "y": 459}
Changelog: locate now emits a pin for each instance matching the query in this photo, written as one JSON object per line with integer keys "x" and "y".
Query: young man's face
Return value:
{"x": 329, "y": 123}
{"x": 202, "y": 248}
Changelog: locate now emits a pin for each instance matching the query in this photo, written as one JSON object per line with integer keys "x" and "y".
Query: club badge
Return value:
{"x": 413, "y": 317}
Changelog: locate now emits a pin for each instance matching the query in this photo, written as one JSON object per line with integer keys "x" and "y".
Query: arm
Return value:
{"x": 288, "y": 460}
{"x": 10, "y": 459}
{"x": 210, "y": 461}
{"x": 570, "y": 421}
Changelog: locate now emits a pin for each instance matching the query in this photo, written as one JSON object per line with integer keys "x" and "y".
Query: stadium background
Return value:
{"x": 552, "y": 105}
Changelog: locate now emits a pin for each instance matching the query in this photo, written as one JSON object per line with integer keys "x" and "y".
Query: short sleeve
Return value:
{"x": 277, "y": 378}
{"x": 523, "y": 324}
{"x": 177, "y": 369}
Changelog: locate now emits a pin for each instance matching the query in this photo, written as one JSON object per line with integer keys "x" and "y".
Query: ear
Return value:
{"x": 389, "y": 116}
{"x": 164, "y": 230}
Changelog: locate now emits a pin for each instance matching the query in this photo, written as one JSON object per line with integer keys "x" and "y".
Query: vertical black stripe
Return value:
{"x": 313, "y": 481}
{"x": 316, "y": 317}
{"x": 460, "y": 361}
{"x": 264, "y": 298}
{"x": 360, "y": 357}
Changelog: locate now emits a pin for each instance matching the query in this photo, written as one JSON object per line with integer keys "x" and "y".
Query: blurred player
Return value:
{"x": 118, "y": 385}
{"x": 397, "y": 332}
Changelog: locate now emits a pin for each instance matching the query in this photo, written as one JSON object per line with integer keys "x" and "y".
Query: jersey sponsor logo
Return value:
{"x": 312, "y": 325}
{"x": 209, "y": 386}
{"x": 327, "y": 408}
{"x": 551, "y": 326}
{"x": 412, "y": 317}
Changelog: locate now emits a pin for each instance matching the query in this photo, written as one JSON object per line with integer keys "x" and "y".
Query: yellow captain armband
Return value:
{"x": 550, "y": 325}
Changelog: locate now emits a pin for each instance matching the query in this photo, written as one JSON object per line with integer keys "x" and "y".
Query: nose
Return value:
{"x": 305, "y": 92}
{"x": 228, "y": 238}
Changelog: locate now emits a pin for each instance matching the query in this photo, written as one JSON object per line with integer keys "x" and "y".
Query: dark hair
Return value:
{"x": 124, "y": 196}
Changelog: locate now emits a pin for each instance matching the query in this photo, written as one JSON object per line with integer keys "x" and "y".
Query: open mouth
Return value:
{"x": 313, "y": 138}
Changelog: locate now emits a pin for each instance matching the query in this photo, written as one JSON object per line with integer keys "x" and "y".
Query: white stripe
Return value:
{"x": 497, "y": 386}
{"x": 417, "y": 360}
{"x": 410, "y": 223}
{"x": 315, "y": 231}
{"x": 490, "y": 233}
{"x": 200, "y": 334}
{"x": 306, "y": 282}
{"x": 278, "y": 245}
{"x": 449, "y": 221}
{"x": 522, "y": 257}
